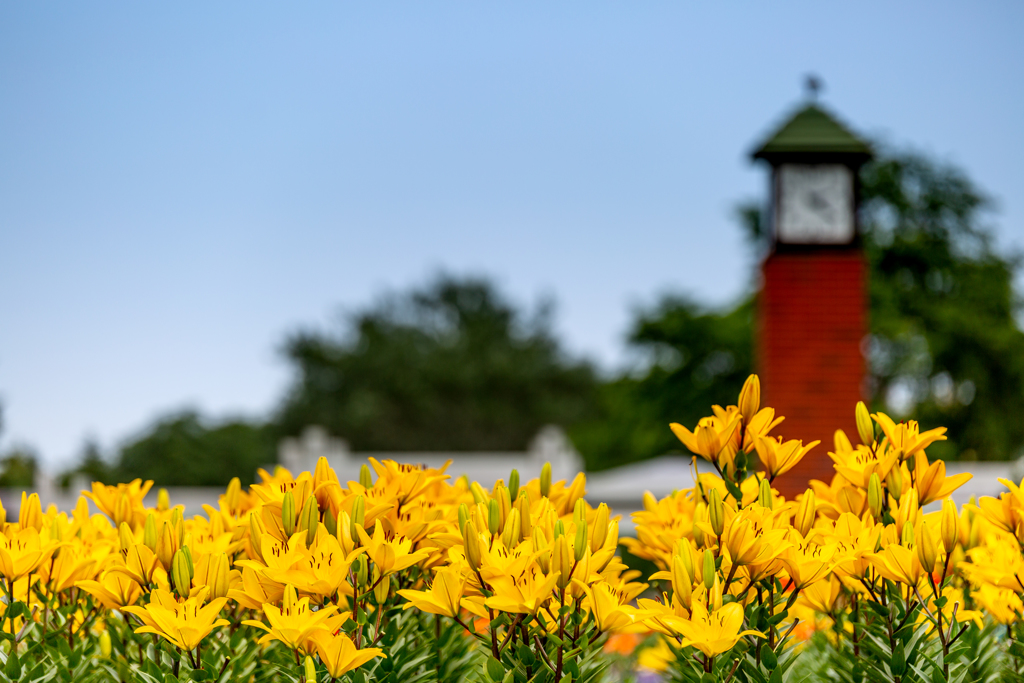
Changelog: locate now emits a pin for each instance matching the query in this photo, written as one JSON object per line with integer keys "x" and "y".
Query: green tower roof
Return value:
{"x": 813, "y": 131}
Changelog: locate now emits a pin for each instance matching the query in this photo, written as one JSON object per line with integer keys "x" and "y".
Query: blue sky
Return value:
{"x": 182, "y": 185}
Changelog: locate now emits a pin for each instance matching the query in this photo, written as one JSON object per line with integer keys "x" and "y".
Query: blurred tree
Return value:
{"x": 92, "y": 466}
{"x": 18, "y": 468}
{"x": 945, "y": 346}
{"x": 180, "y": 450}
{"x": 689, "y": 358}
{"x": 450, "y": 366}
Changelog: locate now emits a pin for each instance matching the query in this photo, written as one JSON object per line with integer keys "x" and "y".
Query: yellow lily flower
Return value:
{"x": 294, "y": 624}
{"x": 931, "y": 481}
{"x": 66, "y": 569}
{"x": 340, "y": 655}
{"x": 778, "y": 456}
{"x": 22, "y": 551}
{"x": 444, "y": 596}
{"x": 389, "y": 555}
{"x": 857, "y": 464}
{"x": 114, "y": 591}
{"x": 256, "y": 590}
{"x": 184, "y": 623}
{"x": 523, "y": 594}
{"x": 905, "y": 436}
{"x": 714, "y": 438}
{"x": 806, "y": 562}
{"x": 714, "y": 632}
{"x": 822, "y": 595}
{"x": 898, "y": 564}
{"x": 121, "y": 503}
{"x": 605, "y": 604}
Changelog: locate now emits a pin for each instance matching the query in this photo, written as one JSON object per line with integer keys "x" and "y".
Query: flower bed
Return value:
{"x": 408, "y": 576}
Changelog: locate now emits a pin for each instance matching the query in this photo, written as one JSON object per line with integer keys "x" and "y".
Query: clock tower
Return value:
{"x": 812, "y": 312}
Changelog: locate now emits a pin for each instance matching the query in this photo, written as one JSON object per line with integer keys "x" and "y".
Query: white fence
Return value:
{"x": 621, "y": 488}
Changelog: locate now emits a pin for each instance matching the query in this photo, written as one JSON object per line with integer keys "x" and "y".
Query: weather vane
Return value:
{"x": 813, "y": 85}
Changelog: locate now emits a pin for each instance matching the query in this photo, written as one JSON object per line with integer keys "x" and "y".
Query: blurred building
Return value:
{"x": 813, "y": 309}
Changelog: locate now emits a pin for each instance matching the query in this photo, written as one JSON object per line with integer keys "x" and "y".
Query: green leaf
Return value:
{"x": 13, "y": 667}
{"x": 495, "y": 670}
{"x": 898, "y": 661}
{"x": 769, "y": 659}
{"x": 199, "y": 674}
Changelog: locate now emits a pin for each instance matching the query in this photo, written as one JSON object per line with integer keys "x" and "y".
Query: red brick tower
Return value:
{"x": 812, "y": 313}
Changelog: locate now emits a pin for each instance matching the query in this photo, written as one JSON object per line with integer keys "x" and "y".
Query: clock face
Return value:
{"x": 815, "y": 204}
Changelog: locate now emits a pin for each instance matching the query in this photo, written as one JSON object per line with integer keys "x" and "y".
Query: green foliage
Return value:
{"x": 452, "y": 366}
{"x": 693, "y": 358}
{"x": 18, "y": 468}
{"x": 181, "y": 451}
{"x": 943, "y": 309}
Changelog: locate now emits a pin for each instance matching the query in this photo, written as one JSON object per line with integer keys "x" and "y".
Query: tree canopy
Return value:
{"x": 449, "y": 366}
{"x": 455, "y": 365}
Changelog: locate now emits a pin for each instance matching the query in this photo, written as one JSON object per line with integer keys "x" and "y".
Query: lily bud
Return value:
{"x": 381, "y": 590}
{"x": 600, "y": 532}
{"x": 750, "y": 397}
{"x": 579, "y": 547}
{"x": 3, "y": 518}
{"x": 842, "y": 442}
{"x": 233, "y": 495}
{"x": 361, "y": 571}
{"x": 579, "y": 511}
{"x": 181, "y": 573}
{"x": 907, "y": 537}
{"x": 700, "y": 514}
{"x": 122, "y": 509}
{"x": 682, "y": 582}
{"x": 344, "y": 532}
{"x": 217, "y": 577}
{"x": 479, "y": 495}
{"x": 504, "y": 504}
{"x": 510, "y": 535}
{"x": 545, "y": 479}
{"x": 806, "y": 513}
{"x": 513, "y": 485}
{"x": 365, "y": 477}
{"x": 288, "y": 513}
{"x": 256, "y": 531}
{"x": 31, "y": 513}
{"x": 463, "y": 517}
{"x": 523, "y": 505}
{"x": 125, "y": 537}
{"x": 708, "y": 570}
{"x": 559, "y": 530}
{"x": 927, "y": 548}
{"x": 358, "y": 516}
{"x": 149, "y": 535}
{"x": 716, "y": 512}
{"x": 105, "y": 648}
{"x": 309, "y": 668}
{"x": 876, "y": 496}
{"x": 950, "y": 528}
{"x": 764, "y": 495}
{"x": 309, "y": 519}
{"x": 471, "y": 545}
{"x": 163, "y": 500}
{"x": 560, "y": 561}
{"x": 540, "y": 545}
{"x": 330, "y": 522}
{"x": 865, "y": 428}
{"x": 493, "y": 516}
{"x": 894, "y": 482}
{"x": 166, "y": 545}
